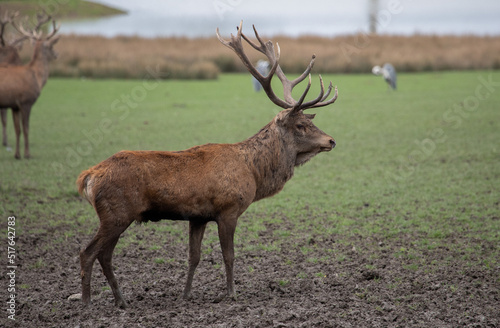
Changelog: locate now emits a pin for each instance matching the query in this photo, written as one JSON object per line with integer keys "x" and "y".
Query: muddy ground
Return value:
{"x": 307, "y": 281}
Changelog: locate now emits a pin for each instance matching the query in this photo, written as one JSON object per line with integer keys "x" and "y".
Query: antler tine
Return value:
{"x": 325, "y": 103}
{"x": 265, "y": 48}
{"x": 268, "y": 49}
{"x": 42, "y": 18}
{"x": 298, "y": 105}
{"x": 55, "y": 29}
{"x": 330, "y": 87}
{"x": 318, "y": 98}
{"x": 21, "y": 30}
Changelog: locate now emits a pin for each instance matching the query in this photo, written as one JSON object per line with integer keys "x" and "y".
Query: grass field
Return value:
{"x": 423, "y": 158}
{"x": 421, "y": 162}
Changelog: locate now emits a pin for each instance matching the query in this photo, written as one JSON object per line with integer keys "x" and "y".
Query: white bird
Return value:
{"x": 389, "y": 73}
{"x": 263, "y": 68}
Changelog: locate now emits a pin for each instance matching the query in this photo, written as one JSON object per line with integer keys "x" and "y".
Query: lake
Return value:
{"x": 200, "y": 18}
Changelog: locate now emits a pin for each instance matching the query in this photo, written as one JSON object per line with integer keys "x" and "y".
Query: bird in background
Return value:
{"x": 263, "y": 68}
{"x": 389, "y": 73}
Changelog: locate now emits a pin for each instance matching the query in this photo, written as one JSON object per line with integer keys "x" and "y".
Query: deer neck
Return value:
{"x": 39, "y": 64}
{"x": 271, "y": 159}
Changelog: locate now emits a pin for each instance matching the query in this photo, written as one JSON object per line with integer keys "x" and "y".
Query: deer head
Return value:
{"x": 43, "y": 44}
{"x": 9, "y": 51}
{"x": 296, "y": 127}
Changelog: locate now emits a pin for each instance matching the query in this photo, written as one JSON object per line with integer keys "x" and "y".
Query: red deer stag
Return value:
{"x": 9, "y": 52}
{"x": 9, "y": 56}
{"x": 20, "y": 86}
{"x": 212, "y": 182}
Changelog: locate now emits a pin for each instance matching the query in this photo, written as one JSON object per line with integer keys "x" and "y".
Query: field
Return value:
{"x": 398, "y": 226}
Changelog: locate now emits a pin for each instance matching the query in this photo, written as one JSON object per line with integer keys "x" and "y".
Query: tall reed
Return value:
{"x": 205, "y": 58}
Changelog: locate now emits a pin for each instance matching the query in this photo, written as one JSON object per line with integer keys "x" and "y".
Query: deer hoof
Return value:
{"x": 225, "y": 296}
{"x": 121, "y": 304}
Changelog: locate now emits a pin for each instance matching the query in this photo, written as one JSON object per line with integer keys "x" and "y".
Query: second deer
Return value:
{"x": 21, "y": 85}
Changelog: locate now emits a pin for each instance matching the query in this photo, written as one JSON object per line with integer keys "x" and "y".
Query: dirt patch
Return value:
{"x": 304, "y": 281}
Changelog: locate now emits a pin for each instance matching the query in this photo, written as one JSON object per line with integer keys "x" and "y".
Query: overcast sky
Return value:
{"x": 298, "y": 17}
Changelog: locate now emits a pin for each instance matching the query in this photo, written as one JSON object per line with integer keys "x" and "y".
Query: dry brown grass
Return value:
{"x": 131, "y": 57}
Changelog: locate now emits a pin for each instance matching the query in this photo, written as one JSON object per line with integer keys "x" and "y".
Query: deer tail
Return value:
{"x": 84, "y": 184}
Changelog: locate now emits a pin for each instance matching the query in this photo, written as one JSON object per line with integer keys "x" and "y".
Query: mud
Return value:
{"x": 304, "y": 281}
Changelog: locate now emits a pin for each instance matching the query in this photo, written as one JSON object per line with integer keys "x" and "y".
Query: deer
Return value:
{"x": 21, "y": 85}
{"x": 9, "y": 52}
{"x": 206, "y": 183}
{"x": 9, "y": 56}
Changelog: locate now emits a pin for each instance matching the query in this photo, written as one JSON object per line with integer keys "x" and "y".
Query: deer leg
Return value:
{"x": 3, "y": 115}
{"x": 17, "y": 129}
{"x": 25, "y": 115}
{"x": 101, "y": 247}
{"x": 226, "y": 229}
{"x": 104, "y": 258}
{"x": 87, "y": 258}
{"x": 196, "y": 231}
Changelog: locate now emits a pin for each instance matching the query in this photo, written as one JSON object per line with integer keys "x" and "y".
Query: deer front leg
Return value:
{"x": 17, "y": 129}
{"x": 226, "y": 227}
{"x": 196, "y": 231}
{"x": 3, "y": 116}
{"x": 25, "y": 115}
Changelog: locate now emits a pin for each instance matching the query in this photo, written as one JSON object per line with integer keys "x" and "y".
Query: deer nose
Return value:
{"x": 333, "y": 143}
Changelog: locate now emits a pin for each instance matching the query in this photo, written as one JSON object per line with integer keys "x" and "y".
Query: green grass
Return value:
{"x": 67, "y": 9}
{"x": 404, "y": 164}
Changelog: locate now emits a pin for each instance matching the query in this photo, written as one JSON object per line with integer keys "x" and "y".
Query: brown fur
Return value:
{"x": 20, "y": 87}
{"x": 212, "y": 182}
{"x": 9, "y": 56}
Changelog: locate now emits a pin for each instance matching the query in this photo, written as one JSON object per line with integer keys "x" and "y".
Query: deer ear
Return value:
{"x": 310, "y": 116}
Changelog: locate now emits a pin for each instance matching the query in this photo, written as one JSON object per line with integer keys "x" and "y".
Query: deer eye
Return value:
{"x": 300, "y": 127}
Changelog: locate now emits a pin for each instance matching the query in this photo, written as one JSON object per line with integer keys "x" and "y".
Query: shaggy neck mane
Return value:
{"x": 40, "y": 64}
{"x": 270, "y": 158}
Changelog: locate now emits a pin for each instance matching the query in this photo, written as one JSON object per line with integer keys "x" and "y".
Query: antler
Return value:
{"x": 36, "y": 33}
{"x": 4, "y": 20}
{"x": 268, "y": 49}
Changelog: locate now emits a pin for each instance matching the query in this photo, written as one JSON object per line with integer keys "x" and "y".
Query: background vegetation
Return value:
{"x": 130, "y": 57}
{"x": 205, "y": 58}
{"x": 62, "y": 9}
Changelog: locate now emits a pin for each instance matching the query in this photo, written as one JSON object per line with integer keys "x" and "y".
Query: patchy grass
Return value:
{"x": 415, "y": 171}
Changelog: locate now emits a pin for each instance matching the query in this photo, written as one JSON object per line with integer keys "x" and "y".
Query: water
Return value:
{"x": 199, "y": 18}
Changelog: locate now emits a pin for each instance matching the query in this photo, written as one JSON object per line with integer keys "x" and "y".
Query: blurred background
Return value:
{"x": 199, "y": 18}
{"x": 178, "y": 37}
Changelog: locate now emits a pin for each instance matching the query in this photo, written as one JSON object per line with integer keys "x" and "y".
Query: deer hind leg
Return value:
{"x": 3, "y": 116}
{"x": 87, "y": 258}
{"x": 104, "y": 258}
{"x": 226, "y": 227}
{"x": 17, "y": 129}
{"x": 101, "y": 247}
{"x": 196, "y": 231}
